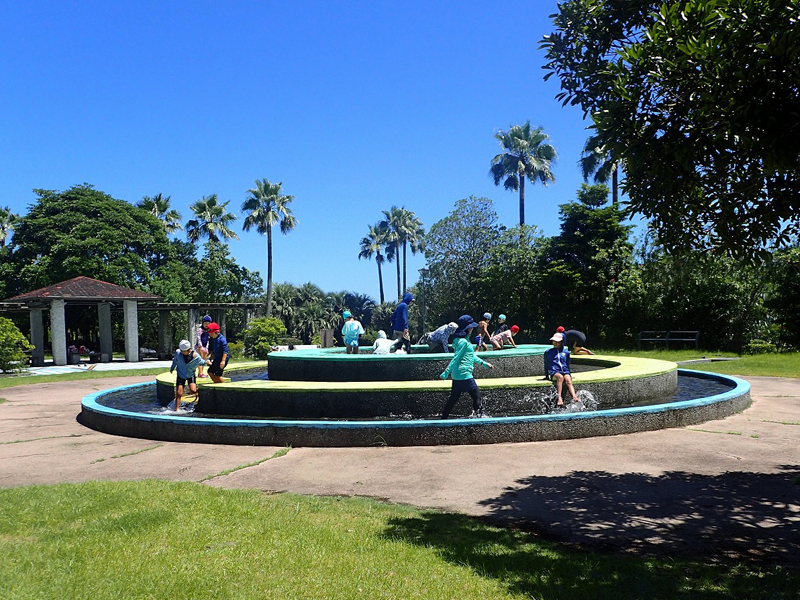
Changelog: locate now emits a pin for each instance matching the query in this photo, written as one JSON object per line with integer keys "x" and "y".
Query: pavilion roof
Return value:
{"x": 84, "y": 289}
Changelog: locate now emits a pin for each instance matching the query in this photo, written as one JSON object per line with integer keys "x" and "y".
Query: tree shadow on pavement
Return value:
{"x": 738, "y": 515}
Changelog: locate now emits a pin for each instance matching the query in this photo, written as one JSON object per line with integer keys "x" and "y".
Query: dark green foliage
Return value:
{"x": 220, "y": 279}
{"x": 783, "y": 301}
{"x": 14, "y": 347}
{"x": 83, "y": 231}
{"x": 759, "y": 347}
{"x": 698, "y": 101}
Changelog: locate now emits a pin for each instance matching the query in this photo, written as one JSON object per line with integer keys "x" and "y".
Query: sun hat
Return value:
{"x": 466, "y": 322}
{"x": 185, "y": 345}
{"x": 502, "y": 317}
{"x": 487, "y": 315}
{"x": 514, "y": 329}
{"x": 213, "y": 327}
{"x": 346, "y": 314}
{"x": 207, "y": 319}
{"x": 557, "y": 337}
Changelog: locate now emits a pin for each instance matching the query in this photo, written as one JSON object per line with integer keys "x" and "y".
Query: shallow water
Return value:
{"x": 540, "y": 401}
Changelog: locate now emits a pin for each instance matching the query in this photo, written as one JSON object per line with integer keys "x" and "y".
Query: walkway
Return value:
{"x": 725, "y": 486}
{"x": 118, "y": 365}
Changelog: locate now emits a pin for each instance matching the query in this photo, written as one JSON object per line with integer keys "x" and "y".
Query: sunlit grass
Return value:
{"x": 769, "y": 365}
{"x": 157, "y": 539}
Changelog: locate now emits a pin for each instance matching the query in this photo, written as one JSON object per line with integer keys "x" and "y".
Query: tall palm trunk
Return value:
{"x": 397, "y": 260}
{"x": 405, "y": 267}
{"x": 269, "y": 272}
{"x": 380, "y": 279}
{"x": 614, "y": 187}
{"x": 522, "y": 199}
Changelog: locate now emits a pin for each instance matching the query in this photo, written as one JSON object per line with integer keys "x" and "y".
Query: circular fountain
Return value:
{"x": 329, "y": 398}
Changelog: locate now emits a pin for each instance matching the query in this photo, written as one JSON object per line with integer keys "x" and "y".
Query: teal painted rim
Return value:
{"x": 741, "y": 387}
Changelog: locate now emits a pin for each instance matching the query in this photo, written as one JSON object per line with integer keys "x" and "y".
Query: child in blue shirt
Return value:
{"x": 186, "y": 362}
{"x": 556, "y": 364}
{"x": 351, "y": 331}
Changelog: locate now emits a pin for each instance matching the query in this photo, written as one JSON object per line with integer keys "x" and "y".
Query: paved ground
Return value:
{"x": 728, "y": 486}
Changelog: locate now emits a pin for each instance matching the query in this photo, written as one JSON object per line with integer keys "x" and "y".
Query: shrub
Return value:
{"x": 236, "y": 350}
{"x": 13, "y": 347}
{"x": 261, "y": 334}
{"x": 759, "y": 347}
{"x": 369, "y": 337}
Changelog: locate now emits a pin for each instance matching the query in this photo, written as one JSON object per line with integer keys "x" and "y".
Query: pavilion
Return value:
{"x": 85, "y": 291}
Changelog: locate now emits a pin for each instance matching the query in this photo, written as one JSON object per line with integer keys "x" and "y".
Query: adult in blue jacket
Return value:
{"x": 400, "y": 321}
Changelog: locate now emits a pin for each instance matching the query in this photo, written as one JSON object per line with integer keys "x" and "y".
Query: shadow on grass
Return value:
{"x": 677, "y": 535}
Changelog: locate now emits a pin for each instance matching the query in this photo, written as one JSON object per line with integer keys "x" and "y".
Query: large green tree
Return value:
{"x": 83, "y": 231}
{"x": 266, "y": 207}
{"x": 458, "y": 248}
{"x": 526, "y": 153}
{"x": 698, "y": 99}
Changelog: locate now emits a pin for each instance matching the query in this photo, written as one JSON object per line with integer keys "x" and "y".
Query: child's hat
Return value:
{"x": 557, "y": 337}
{"x": 213, "y": 327}
{"x": 487, "y": 315}
{"x": 502, "y": 317}
{"x": 346, "y": 314}
{"x": 185, "y": 345}
{"x": 514, "y": 329}
{"x": 207, "y": 319}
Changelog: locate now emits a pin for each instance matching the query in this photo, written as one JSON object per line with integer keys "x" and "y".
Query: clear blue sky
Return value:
{"x": 354, "y": 106}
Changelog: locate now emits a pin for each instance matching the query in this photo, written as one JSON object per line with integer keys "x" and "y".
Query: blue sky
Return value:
{"x": 354, "y": 106}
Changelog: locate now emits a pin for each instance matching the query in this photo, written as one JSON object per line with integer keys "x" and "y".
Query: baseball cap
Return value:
{"x": 502, "y": 317}
{"x": 557, "y": 337}
{"x": 514, "y": 329}
{"x": 346, "y": 314}
{"x": 207, "y": 319}
{"x": 213, "y": 327}
{"x": 487, "y": 315}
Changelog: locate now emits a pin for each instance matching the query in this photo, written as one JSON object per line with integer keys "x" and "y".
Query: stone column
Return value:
{"x": 221, "y": 323}
{"x": 106, "y": 334}
{"x": 191, "y": 330}
{"x": 246, "y": 312}
{"x": 58, "y": 332}
{"x": 164, "y": 334}
{"x": 37, "y": 337}
{"x": 131, "y": 316}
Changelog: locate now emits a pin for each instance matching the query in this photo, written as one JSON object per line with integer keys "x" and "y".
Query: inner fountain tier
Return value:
{"x": 333, "y": 364}
{"x": 615, "y": 381}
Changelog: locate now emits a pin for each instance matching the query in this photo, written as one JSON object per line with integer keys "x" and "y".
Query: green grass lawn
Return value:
{"x": 771, "y": 365}
{"x": 157, "y": 539}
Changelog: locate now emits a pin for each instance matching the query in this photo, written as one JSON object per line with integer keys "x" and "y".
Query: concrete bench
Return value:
{"x": 668, "y": 336}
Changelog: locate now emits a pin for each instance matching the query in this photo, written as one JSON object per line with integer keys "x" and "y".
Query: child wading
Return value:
{"x": 185, "y": 361}
{"x": 461, "y": 367}
{"x": 351, "y": 331}
{"x": 556, "y": 362}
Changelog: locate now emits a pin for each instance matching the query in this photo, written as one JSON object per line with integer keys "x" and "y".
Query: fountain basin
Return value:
{"x": 332, "y": 433}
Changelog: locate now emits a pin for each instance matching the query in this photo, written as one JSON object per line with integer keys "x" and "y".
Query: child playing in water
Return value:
{"x": 351, "y": 331}
{"x": 505, "y": 337}
{"x": 461, "y": 367}
{"x": 483, "y": 333}
{"x": 383, "y": 345}
{"x": 185, "y": 361}
{"x": 438, "y": 340}
{"x": 556, "y": 363}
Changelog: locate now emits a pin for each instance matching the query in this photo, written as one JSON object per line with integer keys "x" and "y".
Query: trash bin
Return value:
{"x": 105, "y": 358}
{"x": 326, "y": 338}
{"x": 73, "y": 359}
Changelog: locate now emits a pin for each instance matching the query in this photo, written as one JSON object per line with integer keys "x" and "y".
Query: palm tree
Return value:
{"x": 525, "y": 154}
{"x": 159, "y": 207}
{"x": 596, "y": 160}
{"x": 371, "y": 245}
{"x": 7, "y": 222}
{"x": 394, "y": 225}
{"x": 266, "y": 207}
{"x": 211, "y": 220}
{"x": 414, "y": 236}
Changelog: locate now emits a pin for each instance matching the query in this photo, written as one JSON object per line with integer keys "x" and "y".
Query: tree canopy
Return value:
{"x": 698, "y": 100}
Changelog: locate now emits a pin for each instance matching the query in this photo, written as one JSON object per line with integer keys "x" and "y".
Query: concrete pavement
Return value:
{"x": 728, "y": 486}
